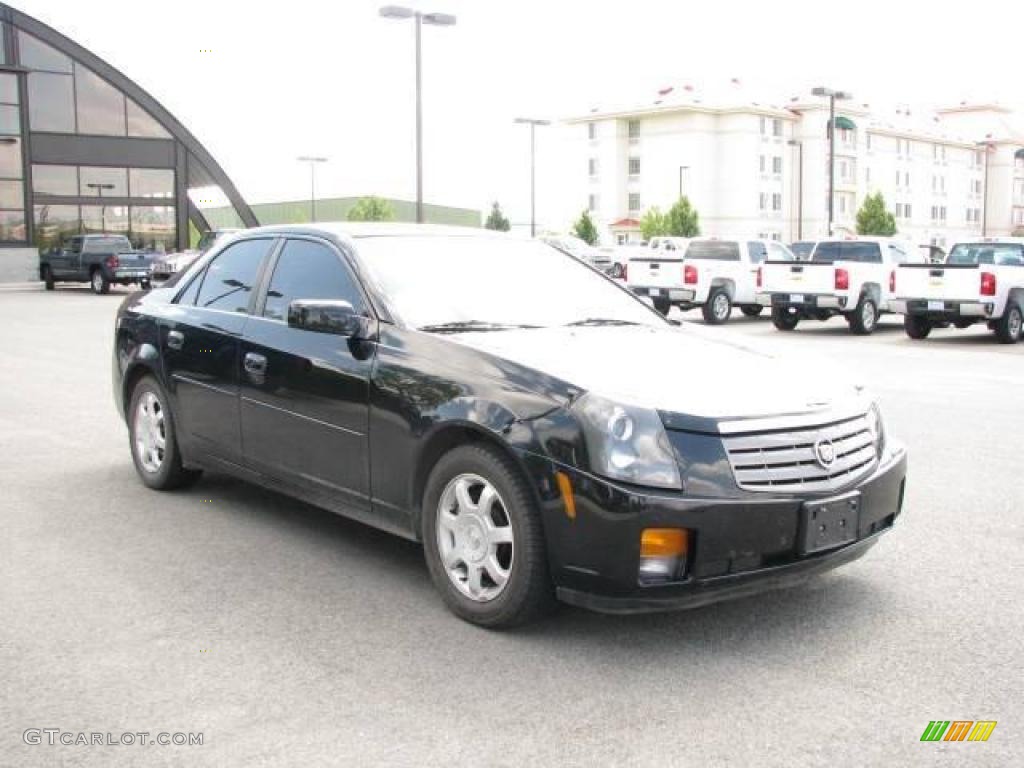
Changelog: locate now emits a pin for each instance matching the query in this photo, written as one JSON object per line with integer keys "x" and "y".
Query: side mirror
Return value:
{"x": 326, "y": 316}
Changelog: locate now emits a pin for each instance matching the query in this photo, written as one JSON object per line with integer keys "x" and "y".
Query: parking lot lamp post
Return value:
{"x": 313, "y": 161}
{"x": 419, "y": 19}
{"x": 833, "y": 96}
{"x": 533, "y": 123}
{"x": 985, "y": 146}
{"x": 683, "y": 169}
{"x": 103, "y": 209}
{"x": 800, "y": 187}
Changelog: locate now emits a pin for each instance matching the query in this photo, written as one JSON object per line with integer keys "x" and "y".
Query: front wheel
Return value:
{"x": 154, "y": 444}
{"x": 48, "y": 280}
{"x": 718, "y": 308}
{"x": 785, "y": 318}
{"x": 917, "y": 327}
{"x": 1009, "y": 326}
{"x": 864, "y": 318}
{"x": 99, "y": 282}
{"x": 483, "y": 540}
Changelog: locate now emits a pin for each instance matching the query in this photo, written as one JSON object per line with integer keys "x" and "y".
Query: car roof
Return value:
{"x": 360, "y": 229}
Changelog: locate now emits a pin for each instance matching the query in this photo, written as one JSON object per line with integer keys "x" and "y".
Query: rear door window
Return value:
{"x": 230, "y": 280}
{"x": 714, "y": 250}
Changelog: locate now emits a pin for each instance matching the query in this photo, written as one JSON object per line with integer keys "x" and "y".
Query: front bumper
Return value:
{"x": 945, "y": 310}
{"x": 807, "y": 301}
{"x": 684, "y": 295}
{"x": 740, "y": 545}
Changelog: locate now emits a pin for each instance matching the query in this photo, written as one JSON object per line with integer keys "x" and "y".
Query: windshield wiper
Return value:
{"x": 471, "y": 326}
{"x": 601, "y": 321}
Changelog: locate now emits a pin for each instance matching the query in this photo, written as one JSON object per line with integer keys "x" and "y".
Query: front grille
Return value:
{"x": 788, "y": 460}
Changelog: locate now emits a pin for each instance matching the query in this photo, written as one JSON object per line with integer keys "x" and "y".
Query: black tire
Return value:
{"x": 864, "y": 319}
{"x": 528, "y": 593}
{"x": 917, "y": 327}
{"x": 663, "y": 306}
{"x": 752, "y": 310}
{"x": 99, "y": 282}
{"x": 170, "y": 474}
{"x": 47, "y": 275}
{"x": 1010, "y": 326}
{"x": 963, "y": 324}
{"x": 785, "y": 318}
{"x": 718, "y": 308}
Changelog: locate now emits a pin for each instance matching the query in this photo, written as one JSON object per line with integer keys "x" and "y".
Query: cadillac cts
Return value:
{"x": 540, "y": 430}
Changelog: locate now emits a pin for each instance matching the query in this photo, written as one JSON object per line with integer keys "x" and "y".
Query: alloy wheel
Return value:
{"x": 1014, "y": 322}
{"x": 721, "y": 306}
{"x": 150, "y": 433}
{"x": 97, "y": 281}
{"x": 474, "y": 537}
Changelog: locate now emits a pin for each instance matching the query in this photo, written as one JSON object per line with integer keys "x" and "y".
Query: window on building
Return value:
{"x": 37, "y": 55}
{"x": 634, "y": 166}
{"x": 764, "y": 163}
{"x": 140, "y": 123}
{"x": 10, "y": 159}
{"x": 592, "y": 166}
{"x": 867, "y": 175}
{"x": 55, "y": 180}
{"x": 153, "y": 228}
{"x": 101, "y": 219}
{"x": 776, "y": 201}
{"x": 231, "y": 277}
{"x": 592, "y": 203}
{"x": 591, "y": 131}
{"x": 151, "y": 182}
{"x": 979, "y": 158}
{"x": 764, "y": 129}
{"x": 51, "y": 102}
{"x": 867, "y": 140}
{"x": 633, "y": 129}
{"x": 54, "y": 224}
{"x": 906, "y": 178}
{"x": 307, "y": 270}
{"x": 777, "y": 164}
{"x": 776, "y": 127}
{"x": 899, "y": 210}
{"x": 762, "y": 201}
{"x": 634, "y": 202}
{"x": 100, "y": 106}
{"x": 95, "y": 181}
{"x": 906, "y": 210}
{"x": 10, "y": 120}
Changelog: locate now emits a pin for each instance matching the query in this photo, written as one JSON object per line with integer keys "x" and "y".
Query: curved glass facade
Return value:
{"x": 83, "y": 149}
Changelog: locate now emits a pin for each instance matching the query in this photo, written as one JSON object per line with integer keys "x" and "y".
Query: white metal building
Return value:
{"x": 755, "y": 168}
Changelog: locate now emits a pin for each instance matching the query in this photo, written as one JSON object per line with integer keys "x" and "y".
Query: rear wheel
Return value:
{"x": 153, "y": 441}
{"x": 917, "y": 327}
{"x": 663, "y": 306}
{"x": 864, "y": 318}
{"x": 752, "y": 310}
{"x": 483, "y": 540}
{"x": 99, "y": 282}
{"x": 785, "y": 318}
{"x": 1008, "y": 327}
{"x": 48, "y": 277}
{"x": 718, "y": 308}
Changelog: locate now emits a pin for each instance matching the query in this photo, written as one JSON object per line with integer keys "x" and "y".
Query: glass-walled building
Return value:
{"x": 84, "y": 149}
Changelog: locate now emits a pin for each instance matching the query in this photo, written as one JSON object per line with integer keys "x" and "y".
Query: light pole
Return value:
{"x": 533, "y": 123}
{"x": 800, "y": 187}
{"x": 313, "y": 161}
{"x": 419, "y": 19}
{"x": 682, "y": 168}
{"x": 833, "y": 96}
{"x": 103, "y": 209}
{"x": 984, "y": 195}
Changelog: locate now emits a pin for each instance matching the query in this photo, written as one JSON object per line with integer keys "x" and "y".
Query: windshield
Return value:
{"x": 436, "y": 281}
{"x": 716, "y": 250}
{"x": 107, "y": 245}
{"x": 986, "y": 253}
{"x": 802, "y": 250}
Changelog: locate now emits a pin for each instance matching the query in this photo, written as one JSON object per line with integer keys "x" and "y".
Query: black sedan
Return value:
{"x": 543, "y": 432}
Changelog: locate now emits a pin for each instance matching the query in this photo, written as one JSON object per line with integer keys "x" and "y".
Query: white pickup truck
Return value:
{"x": 980, "y": 282}
{"x": 712, "y": 274}
{"x": 853, "y": 278}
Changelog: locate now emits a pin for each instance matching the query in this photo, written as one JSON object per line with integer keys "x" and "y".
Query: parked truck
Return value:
{"x": 709, "y": 273}
{"x": 100, "y": 260}
{"x": 980, "y": 282}
{"x": 852, "y": 278}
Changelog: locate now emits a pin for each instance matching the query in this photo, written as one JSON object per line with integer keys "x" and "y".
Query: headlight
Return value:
{"x": 627, "y": 443}
{"x": 876, "y": 428}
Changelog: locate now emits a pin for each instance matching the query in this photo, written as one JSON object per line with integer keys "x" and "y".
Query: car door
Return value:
{"x": 199, "y": 340}
{"x": 305, "y": 394}
{"x": 62, "y": 262}
{"x": 758, "y": 253}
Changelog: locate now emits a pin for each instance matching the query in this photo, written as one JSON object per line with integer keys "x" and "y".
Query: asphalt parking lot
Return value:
{"x": 289, "y": 636}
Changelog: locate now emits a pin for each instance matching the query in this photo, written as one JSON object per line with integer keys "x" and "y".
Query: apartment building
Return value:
{"x": 757, "y": 168}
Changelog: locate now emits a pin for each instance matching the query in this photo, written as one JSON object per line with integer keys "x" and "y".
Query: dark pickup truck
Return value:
{"x": 99, "y": 260}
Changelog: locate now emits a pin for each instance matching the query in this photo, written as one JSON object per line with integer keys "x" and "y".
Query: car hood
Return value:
{"x": 683, "y": 370}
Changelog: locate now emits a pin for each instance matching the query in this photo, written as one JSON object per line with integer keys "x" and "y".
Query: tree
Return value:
{"x": 874, "y": 219}
{"x": 497, "y": 220}
{"x": 585, "y": 230}
{"x": 682, "y": 219}
{"x": 371, "y": 209}
{"x": 653, "y": 224}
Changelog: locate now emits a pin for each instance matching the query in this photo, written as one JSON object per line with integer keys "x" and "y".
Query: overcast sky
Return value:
{"x": 333, "y": 78}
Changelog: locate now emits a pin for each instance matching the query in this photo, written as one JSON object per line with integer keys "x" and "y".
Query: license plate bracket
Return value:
{"x": 654, "y": 292}
{"x": 829, "y": 523}
{"x": 936, "y": 306}
{"x": 796, "y": 298}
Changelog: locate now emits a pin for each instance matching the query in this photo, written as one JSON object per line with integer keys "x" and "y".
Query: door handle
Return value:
{"x": 175, "y": 339}
{"x": 255, "y": 364}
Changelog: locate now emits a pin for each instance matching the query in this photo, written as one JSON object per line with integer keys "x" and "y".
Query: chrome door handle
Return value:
{"x": 175, "y": 339}
{"x": 255, "y": 364}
